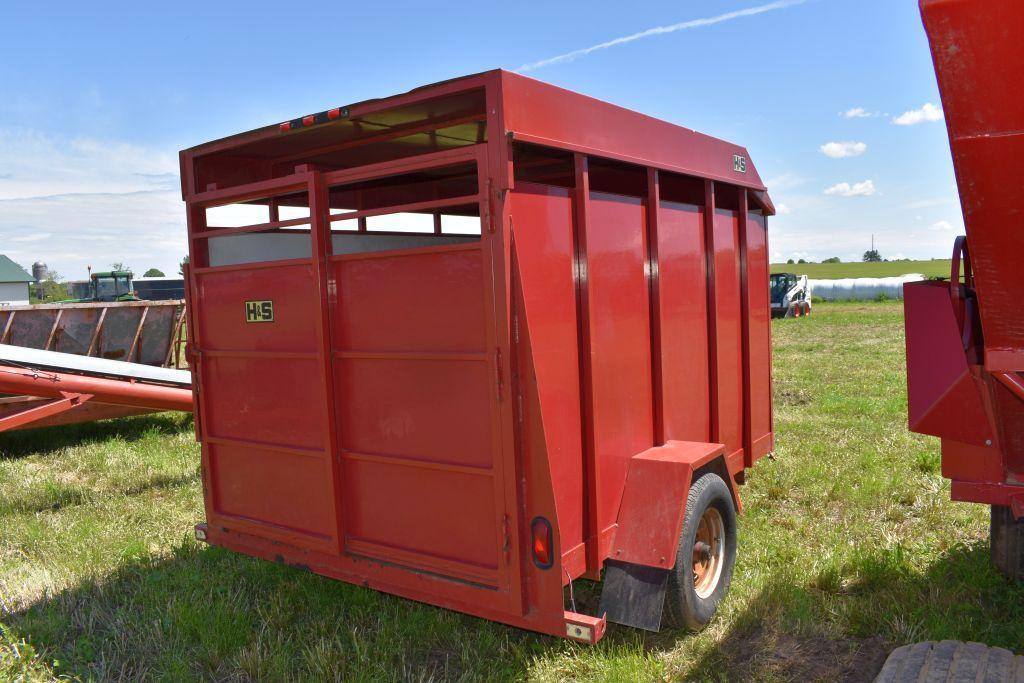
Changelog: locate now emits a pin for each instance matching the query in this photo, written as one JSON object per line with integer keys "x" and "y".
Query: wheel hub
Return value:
{"x": 708, "y": 553}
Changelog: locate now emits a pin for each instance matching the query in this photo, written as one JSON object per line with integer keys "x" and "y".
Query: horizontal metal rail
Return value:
{"x": 412, "y": 207}
{"x": 122, "y": 392}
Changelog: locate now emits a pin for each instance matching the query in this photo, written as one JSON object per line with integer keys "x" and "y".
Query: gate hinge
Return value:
{"x": 489, "y": 206}
{"x": 506, "y": 547}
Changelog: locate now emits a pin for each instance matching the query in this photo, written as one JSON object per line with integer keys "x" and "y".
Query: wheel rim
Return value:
{"x": 708, "y": 553}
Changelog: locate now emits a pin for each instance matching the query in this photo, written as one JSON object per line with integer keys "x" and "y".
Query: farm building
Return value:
{"x": 14, "y": 283}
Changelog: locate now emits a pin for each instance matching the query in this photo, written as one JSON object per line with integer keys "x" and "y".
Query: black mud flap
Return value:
{"x": 633, "y": 595}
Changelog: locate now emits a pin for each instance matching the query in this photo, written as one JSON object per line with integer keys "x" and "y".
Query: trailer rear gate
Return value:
{"x": 433, "y": 335}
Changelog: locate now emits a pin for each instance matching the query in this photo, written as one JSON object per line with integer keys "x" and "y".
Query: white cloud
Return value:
{"x": 863, "y": 189}
{"x": 929, "y": 112}
{"x": 841, "y": 150}
{"x": 942, "y": 226}
{"x": 856, "y": 113}
{"x": 783, "y": 210}
{"x": 661, "y": 30}
{"x": 78, "y": 202}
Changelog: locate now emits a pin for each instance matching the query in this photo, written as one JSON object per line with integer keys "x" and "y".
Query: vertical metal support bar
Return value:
{"x": 53, "y": 330}
{"x": 502, "y": 359}
{"x": 437, "y": 222}
{"x": 581, "y": 207}
{"x": 94, "y": 342}
{"x": 744, "y": 265}
{"x": 361, "y": 221}
{"x": 198, "y": 258}
{"x": 7, "y": 328}
{"x": 138, "y": 332}
{"x": 495, "y": 180}
{"x": 175, "y": 343}
{"x": 319, "y": 214}
{"x": 709, "y": 255}
{"x": 654, "y": 283}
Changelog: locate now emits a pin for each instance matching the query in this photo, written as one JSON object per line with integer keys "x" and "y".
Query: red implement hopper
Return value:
{"x": 471, "y": 343}
{"x": 965, "y": 337}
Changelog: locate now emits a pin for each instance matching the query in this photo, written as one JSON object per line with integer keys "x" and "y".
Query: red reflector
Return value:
{"x": 308, "y": 120}
{"x": 334, "y": 113}
{"x": 540, "y": 531}
{"x": 286, "y": 126}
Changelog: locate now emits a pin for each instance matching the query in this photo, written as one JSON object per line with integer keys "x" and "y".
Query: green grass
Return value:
{"x": 836, "y": 271}
{"x": 849, "y": 546}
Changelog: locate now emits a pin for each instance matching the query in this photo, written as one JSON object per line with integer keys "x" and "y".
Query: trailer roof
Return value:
{"x": 531, "y": 111}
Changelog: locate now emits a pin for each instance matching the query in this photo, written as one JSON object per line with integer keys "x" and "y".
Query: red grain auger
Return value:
{"x": 471, "y": 343}
{"x": 965, "y": 336}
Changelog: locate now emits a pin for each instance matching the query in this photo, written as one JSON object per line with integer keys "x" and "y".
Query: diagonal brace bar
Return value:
{"x": 40, "y": 412}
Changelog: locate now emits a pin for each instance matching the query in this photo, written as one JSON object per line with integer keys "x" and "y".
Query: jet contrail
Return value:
{"x": 659, "y": 30}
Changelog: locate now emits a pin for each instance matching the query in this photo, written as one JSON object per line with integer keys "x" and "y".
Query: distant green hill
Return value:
{"x": 836, "y": 271}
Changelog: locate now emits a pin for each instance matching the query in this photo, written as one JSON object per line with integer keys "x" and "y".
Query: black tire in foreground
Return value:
{"x": 707, "y": 552}
{"x": 1006, "y": 536}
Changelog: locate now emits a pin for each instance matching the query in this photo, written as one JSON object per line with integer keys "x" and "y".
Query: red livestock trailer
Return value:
{"x": 965, "y": 337}
{"x": 471, "y": 343}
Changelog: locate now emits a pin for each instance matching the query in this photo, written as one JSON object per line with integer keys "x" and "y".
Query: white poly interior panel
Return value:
{"x": 253, "y": 248}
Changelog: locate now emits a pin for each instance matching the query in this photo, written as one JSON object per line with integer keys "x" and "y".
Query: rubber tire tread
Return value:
{"x": 683, "y": 607}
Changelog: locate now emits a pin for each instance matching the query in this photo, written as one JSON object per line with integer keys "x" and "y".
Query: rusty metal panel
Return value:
{"x": 139, "y": 332}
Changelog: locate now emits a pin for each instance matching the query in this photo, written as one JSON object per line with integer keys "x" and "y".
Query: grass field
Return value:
{"x": 849, "y": 546}
{"x": 835, "y": 271}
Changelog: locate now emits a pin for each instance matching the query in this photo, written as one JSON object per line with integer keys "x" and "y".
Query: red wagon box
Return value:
{"x": 471, "y": 343}
{"x": 965, "y": 336}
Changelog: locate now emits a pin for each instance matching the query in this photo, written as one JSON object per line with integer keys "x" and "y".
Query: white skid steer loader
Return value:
{"x": 791, "y": 295}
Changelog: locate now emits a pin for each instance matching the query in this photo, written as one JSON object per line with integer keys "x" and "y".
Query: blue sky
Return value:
{"x": 97, "y": 98}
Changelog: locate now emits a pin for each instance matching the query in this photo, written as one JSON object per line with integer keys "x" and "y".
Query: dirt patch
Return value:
{"x": 794, "y": 397}
{"x": 759, "y": 654}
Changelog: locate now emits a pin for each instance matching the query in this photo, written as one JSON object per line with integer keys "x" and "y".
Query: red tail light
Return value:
{"x": 541, "y": 541}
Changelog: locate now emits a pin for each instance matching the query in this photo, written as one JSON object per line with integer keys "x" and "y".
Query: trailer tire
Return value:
{"x": 1006, "y": 537}
{"x": 709, "y": 509}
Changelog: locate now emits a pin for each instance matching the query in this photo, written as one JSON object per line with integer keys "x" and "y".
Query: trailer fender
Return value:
{"x": 649, "y": 523}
